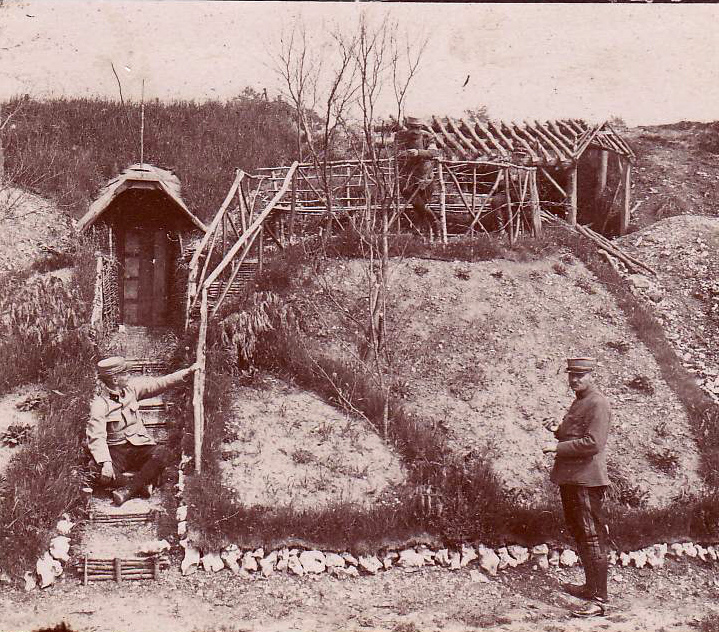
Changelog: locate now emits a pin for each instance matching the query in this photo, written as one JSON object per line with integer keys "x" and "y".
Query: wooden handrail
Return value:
{"x": 257, "y": 223}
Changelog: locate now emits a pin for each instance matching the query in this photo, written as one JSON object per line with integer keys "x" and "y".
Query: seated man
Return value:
{"x": 117, "y": 438}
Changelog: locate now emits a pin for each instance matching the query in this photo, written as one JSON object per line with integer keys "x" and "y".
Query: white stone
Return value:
{"x": 468, "y": 553}
{"x": 283, "y": 557}
{"x": 639, "y": 558}
{"x": 542, "y": 562}
{"x": 677, "y": 549}
{"x": 64, "y": 526}
{"x": 30, "y": 582}
{"x": 258, "y": 553}
{"x": 625, "y": 559}
{"x": 478, "y": 577}
{"x": 540, "y": 549}
{"x": 369, "y": 563}
{"x": 267, "y": 564}
{"x": 182, "y": 529}
{"x": 612, "y": 558}
{"x": 313, "y": 561}
{"x": 181, "y": 513}
{"x": 343, "y": 572}
{"x": 293, "y": 563}
{"x": 191, "y": 560}
{"x": 409, "y": 558}
{"x": 455, "y": 561}
{"x": 701, "y": 552}
{"x": 427, "y": 554}
{"x": 333, "y": 560}
{"x": 568, "y": 558}
{"x": 212, "y": 562}
{"x": 48, "y": 569}
{"x": 505, "y": 559}
{"x": 488, "y": 560}
{"x": 712, "y": 553}
{"x": 153, "y": 547}
{"x": 349, "y": 558}
{"x": 442, "y": 557}
{"x": 229, "y": 556}
{"x": 554, "y": 558}
{"x": 388, "y": 559}
{"x": 690, "y": 549}
{"x": 519, "y": 553}
{"x": 60, "y": 548}
{"x": 249, "y": 562}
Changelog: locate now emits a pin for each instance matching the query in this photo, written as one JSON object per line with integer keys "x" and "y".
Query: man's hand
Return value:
{"x": 549, "y": 447}
{"x": 107, "y": 474}
{"x": 550, "y": 424}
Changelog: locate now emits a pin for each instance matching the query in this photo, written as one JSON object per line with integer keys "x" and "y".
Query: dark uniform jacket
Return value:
{"x": 582, "y": 435}
{"x": 114, "y": 422}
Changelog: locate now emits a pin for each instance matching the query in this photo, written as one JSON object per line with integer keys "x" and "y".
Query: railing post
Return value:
{"x": 96, "y": 320}
{"x": 442, "y": 201}
{"x": 536, "y": 210}
{"x": 199, "y": 384}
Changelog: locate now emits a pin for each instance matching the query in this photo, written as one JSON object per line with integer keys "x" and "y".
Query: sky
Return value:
{"x": 646, "y": 63}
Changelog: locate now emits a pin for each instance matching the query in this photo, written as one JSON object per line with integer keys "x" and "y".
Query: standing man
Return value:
{"x": 580, "y": 470}
{"x": 116, "y": 436}
{"x": 417, "y": 151}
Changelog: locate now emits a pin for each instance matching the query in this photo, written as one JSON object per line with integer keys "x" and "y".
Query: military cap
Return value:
{"x": 580, "y": 365}
{"x": 112, "y": 366}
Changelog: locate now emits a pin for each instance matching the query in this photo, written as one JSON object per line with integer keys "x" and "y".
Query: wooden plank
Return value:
{"x": 252, "y": 228}
{"x": 572, "y": 195}
{"x": 199, "y": 383}
{"x": 626, "y": 214}
{"x": 476, "y": 137}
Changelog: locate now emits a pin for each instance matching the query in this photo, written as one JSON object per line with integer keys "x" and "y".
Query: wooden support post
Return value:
{"x": 118, "y": 569}
{"x": 261, "y": 249}
{"x": 199, "y": 383}
{"x": 536, "y": 211}
{"x": 602, "y": 173}
{"x": 508, "y": 193}
{"x": 572, "y": 195}
{"x": 626, "y": 213}
{"x": 442, "y": 201}
{"x": 155, "y": 567}
{"x": 474, "y": 199}
{"x": 293, "y": 207}
{"x": 84, "y": 571}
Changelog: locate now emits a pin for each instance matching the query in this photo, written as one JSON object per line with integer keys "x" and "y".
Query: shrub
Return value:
{"x": 44, "y": 479}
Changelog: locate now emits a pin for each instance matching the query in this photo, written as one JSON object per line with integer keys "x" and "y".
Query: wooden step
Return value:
{"x": 121, "y": 569}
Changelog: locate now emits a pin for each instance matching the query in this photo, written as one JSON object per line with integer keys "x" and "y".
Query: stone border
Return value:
{"x": 50, "y": 566}
{"x": 302, "y": 562}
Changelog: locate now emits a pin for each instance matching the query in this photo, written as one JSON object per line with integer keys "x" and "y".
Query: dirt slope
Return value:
{"x": 677, "y": 171}
{"x": 30, "y": 227}
{"x": 479, "y": 349}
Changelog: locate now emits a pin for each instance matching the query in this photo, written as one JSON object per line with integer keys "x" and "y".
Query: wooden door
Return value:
{"x": 145, "y": 277}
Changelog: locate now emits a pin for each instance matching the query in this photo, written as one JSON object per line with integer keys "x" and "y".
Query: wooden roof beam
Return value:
{"x": 476, "y": 138}
{"x": 531, "y": 138}
{"x": 502, "y": 151}
{"x": 464, "y": 140}
{"x": 534, "y": 156}
{"x": 567, "y": 149}
{"x": 558, "y": 132}
{"x": 561, "y": 156}
{"x": 497, "y": 129}
{"x": 450, "y": 139}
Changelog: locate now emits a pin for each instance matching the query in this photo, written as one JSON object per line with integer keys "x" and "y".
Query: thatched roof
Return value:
{"x": 558, "y": 142}
{"x": 141, "y": 176}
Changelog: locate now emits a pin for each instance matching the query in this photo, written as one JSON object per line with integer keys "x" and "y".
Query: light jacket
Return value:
{"x": 582, "y": 439}
{"x": 116, "y": 422}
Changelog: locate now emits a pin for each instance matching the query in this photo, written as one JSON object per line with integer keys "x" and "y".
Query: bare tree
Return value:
{"x": 345, "y": 85}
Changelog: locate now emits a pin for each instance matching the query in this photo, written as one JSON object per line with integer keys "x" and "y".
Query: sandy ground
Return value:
{"x": 287, "y": 447}
{"x": 480, "y": 348}
{"x": 675, "y": 597}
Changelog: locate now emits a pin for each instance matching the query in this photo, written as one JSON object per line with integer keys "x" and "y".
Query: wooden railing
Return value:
{"x": 229, "y": 266}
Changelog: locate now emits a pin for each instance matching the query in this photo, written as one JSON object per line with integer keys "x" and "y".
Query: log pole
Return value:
{"x": 626, "y": 212}
{"x": 442, "y": 201}
{"x": 602, "y": 173}
{"x": 572, "y": 195}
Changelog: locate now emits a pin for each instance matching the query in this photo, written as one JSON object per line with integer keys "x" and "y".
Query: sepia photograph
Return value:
{"x": 359, "y": 316}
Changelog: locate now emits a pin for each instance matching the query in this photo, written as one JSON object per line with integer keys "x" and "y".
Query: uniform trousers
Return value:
{"x": 585, "y": 518}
